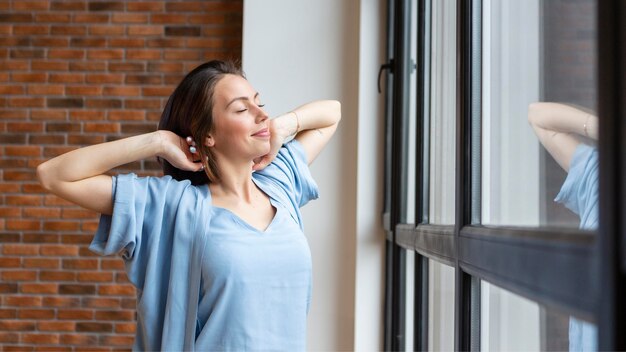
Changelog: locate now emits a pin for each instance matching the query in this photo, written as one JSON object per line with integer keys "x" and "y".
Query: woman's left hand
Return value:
{"x": 281, "y": 128}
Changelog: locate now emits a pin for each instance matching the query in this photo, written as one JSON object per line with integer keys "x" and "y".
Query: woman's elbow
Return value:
{"x": 43, "y": 175}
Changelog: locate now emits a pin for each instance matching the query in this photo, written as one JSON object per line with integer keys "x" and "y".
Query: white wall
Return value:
{"x": 296, "y": 51}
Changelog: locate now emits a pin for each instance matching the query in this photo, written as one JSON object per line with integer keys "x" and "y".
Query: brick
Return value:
{"x": 95, "y": 276}
{"x": 28, "y": 175}
{"x": 125, "y": 328}
{"x": 62, "y": 127}
{"x": 45, "y": 139}
{"x": 26, "y": 102}
{"x": 85, "y": 139}
{"x": 23, "y": 225}
{"x": 19, "y": 275}
{"x": 60, "y": 225}
{"x": 15, "y": 41}
{"x": 29, "y": 77}
{"x": 163, "y": 91}
{"x": 87, "y": 66}
{"x": 148, "y": 6}
{"x": 16, "y": 325}
{"x": 105, "y": 78}
{"x": 80, "y": 264}
{"x": 181, "y": 55}
{"x": 115, "y": 315}
{"x": 14, "y": 65}
{"x": 116, "y": 340}
{"x": 143, "y": 54}
{"x": 144, "y": 30}
{"x": 106, "y": 6}
{"x": 46, "y": 89}
{"x": 10, "y": 212}
{"x": 77, "y": 239}
{"x": 41, "y": 338}
{"x": 68, "y": 5}
{"x": 65, "y": 102}
{"x": 36, "y": 314}
{"x": 127, "y": 115}
{"x": 55, "y": 151}
{"x": 25, "y": 127}
{"x": 116, "y": 290}
{"x": 12, "y": 139}
{"x": 23, "y": 200}
{"x": 44, "y": 263}
{"x": 22, "y": 301}
{"x": 83, "y": 90}
{"x": 48, "y": 114}
{"x": 208, "y": 43}
{"x": 94, "y": 327}
{"x": 91, "y": 18}
{"x": 66, "y": 54}
{"x": 127, "y": 66}
{"x": 33, "y": 187}
{"x": 101, "y": 127}
{"x": 86, "y": 115}
{"x": 127, "y": 42}
{"x": 42, "y": 213}
{"x": 105, "y": 54}
{"x": 121, "y": 17}
{"x": 168, "y": 67}
{"x": 30, "y": 29}
{"x": 13, "y": 114}
{"x": 9, "y": 337}
{"x": 57, "y": 276}
{"x": 88, "y": 42}
{"x": 107, "y": 30}
{"x": 51, "y": 288}
{"x": 40, "y": 238}
{"x": 79, "y": 339}
{"x": 104, "y": 103}
{"x": 20, "y": 249}
{"x": 52, "y": 17}
{"x": 112, "y": 264}
{"x": 59, "y": 250}
{"x": 168, "y": 18}
{"x": 27, "y": 53}
{"x": 12, "y": 262}
{"x": 11, "y": 89}
{"x": 125, "y": 91}
{"x": 16, "y": 17}
{"x": 68, "y": 30}
{"x": 50, "y": 42}
{"x": 99, "y": 302}
{"x": 60, "y": 301}
{"x": 75, "y": 314}
{"x": 182, "y": 31}
{"x": 142, "y": 104}
{"x": 129, "y": 303}
{"x": 8, "y": 288}
{"x": 9, "y": 238}
{"x": 56, "y": 326}
{"x": 212, "y": 19}
{"x": 144, "y": 79}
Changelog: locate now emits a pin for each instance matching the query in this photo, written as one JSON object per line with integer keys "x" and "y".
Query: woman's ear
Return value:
{"x": 209, "y": 141}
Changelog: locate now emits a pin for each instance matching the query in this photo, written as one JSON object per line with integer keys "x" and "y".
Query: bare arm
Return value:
{"x": 79, "y": 176}
{"x": 559, "y": 127}
{"x": 313, "y": 124}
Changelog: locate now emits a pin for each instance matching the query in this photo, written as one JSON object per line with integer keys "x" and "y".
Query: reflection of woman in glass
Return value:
{"x": 565, "y": 131}
{"x": 216, "y": 250}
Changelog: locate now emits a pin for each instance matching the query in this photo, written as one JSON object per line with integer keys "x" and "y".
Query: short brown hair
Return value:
{"x": 189, "y": 112}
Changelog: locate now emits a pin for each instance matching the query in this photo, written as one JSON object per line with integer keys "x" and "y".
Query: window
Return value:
{"x": 491, "y": 209}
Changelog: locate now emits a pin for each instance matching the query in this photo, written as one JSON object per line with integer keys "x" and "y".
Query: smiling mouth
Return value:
{"x": 262, "y": 133}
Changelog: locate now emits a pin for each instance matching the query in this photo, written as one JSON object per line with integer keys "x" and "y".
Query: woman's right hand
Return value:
{"x": 178, "y": 151}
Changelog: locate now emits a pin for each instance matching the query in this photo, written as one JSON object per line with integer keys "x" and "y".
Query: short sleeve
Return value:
{"x": 579, "y": 192}
{"x": 143, "y": 208}
{"x": 291, "y": 172}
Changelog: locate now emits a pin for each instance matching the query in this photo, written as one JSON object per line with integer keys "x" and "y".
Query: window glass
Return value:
{"x": 512, "y": 323}
{"x": 440, "y": 306}
{"x": 411, "y": 257}
{"x": 442, "y": 111}
{"x": 539, "y": 126}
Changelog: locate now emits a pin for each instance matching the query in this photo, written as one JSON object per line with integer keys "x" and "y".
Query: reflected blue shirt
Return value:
{"x": 579, "y": 193}
{"x": 206, "y": 279}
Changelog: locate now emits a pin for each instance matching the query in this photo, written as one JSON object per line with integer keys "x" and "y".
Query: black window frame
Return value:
{"x": 592, "y": 266}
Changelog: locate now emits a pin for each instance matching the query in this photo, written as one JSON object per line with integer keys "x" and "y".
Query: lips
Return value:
{"x": 262, "y": 133}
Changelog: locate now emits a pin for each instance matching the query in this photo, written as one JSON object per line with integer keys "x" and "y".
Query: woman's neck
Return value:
{"x": 235, "y": 182}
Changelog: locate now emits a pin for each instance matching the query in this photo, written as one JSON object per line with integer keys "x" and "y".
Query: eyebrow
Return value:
{"x": 241, "y": 98}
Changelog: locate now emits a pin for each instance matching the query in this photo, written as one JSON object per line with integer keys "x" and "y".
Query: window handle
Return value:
{"x": 387, "y": 66}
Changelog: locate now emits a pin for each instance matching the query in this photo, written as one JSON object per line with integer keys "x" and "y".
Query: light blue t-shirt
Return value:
{"x": 206, "y": 279}
{"x": 579, "y": 193}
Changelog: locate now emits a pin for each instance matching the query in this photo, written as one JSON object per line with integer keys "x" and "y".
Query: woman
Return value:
{"x": 563, "y": 131}
{"x": 215, "y": 247}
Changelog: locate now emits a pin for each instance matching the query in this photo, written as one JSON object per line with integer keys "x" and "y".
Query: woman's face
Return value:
{"x": 240, "y": 125}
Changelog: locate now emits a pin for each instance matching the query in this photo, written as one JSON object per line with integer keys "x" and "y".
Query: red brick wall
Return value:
{"x": 74, "y": 73}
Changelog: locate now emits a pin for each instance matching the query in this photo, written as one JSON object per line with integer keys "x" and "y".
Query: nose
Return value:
{"x": 260, "y": 115}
